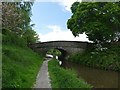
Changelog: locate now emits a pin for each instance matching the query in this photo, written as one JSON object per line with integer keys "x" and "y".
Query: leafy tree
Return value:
{"x": 30, "y": 36}
{"x": 16, "y": 16}
{"x": 16, "y": 19}
{"x": 99, "y": 20}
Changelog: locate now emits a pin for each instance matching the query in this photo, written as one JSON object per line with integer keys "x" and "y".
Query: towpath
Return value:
{"x": 43, "y": 80}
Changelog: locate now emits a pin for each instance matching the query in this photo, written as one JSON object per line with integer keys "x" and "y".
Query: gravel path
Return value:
{"x": 43, "y": 80}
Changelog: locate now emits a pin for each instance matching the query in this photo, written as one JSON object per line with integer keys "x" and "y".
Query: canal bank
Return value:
{"x": 63, "y": 78}
{"x": 96, "y": 77}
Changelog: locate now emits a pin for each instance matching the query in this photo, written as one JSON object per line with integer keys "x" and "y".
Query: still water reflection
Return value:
{"x": 96, "y": 77}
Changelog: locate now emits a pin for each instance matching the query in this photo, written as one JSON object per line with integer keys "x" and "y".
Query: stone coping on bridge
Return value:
{"x": 65, "y": 41}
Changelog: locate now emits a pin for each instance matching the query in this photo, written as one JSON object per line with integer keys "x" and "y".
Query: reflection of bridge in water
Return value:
{"x": 65, "y": 47}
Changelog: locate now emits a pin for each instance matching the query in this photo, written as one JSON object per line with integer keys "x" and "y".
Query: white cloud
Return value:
{"x": 54, "y": 28}
{"x": 67, "y": 3}
{"x": 58, "y": 34}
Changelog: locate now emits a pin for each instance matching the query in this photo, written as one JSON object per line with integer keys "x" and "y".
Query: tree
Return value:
{"x": 54, "y": 52}
{"x": 99, "y": 20}
{"x": 30, "y": 36}
{"x": 16, "y": 19}
{"x": 16, "y": 16}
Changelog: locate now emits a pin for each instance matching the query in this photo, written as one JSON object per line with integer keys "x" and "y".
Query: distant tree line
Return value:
{"x": 16, "y": 19}
{"x": 54, "y": 52}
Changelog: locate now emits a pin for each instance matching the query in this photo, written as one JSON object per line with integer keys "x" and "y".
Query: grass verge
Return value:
{"x": 62, "y": 78}
{"x": 19, "y": 66}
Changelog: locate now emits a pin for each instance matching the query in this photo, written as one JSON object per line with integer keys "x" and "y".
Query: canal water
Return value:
{"x": 96, "y": 77}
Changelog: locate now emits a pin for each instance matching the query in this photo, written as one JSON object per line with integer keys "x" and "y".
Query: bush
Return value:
{"x": 107, "y": 59}
{"x": 11, "y": 38}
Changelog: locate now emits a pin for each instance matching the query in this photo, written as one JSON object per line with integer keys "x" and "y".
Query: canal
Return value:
{"x": 96, "y": 77}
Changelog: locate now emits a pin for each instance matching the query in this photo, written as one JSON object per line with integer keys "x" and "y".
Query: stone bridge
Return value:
{"x": 66, "y": 47}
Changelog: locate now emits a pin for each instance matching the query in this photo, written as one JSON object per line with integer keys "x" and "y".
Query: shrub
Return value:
{"x": 10, "y": 38}
{"x": 107, "y": 59}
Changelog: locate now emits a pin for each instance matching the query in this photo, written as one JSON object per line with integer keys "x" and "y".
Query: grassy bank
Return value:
{"x": 108, "y": 59}
{"x": 20, "y": 66}
{"x": 62, "y": 78}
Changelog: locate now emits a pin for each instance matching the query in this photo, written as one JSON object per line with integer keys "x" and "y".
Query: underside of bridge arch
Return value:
{"x": 63, "y": 55}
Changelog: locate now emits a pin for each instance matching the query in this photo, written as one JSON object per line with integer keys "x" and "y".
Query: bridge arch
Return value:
{"x": 63, "y": 55}
{"x": 66, "y": 47}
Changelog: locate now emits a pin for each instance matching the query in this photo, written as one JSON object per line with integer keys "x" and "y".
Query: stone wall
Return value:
{"x": 69, "y": 46}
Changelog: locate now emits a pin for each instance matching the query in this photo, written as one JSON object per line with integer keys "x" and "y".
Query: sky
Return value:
{"x": 50, "y": 19}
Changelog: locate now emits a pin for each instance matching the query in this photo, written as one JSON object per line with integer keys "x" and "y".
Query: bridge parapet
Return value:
{"x": 61, "y": 44}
